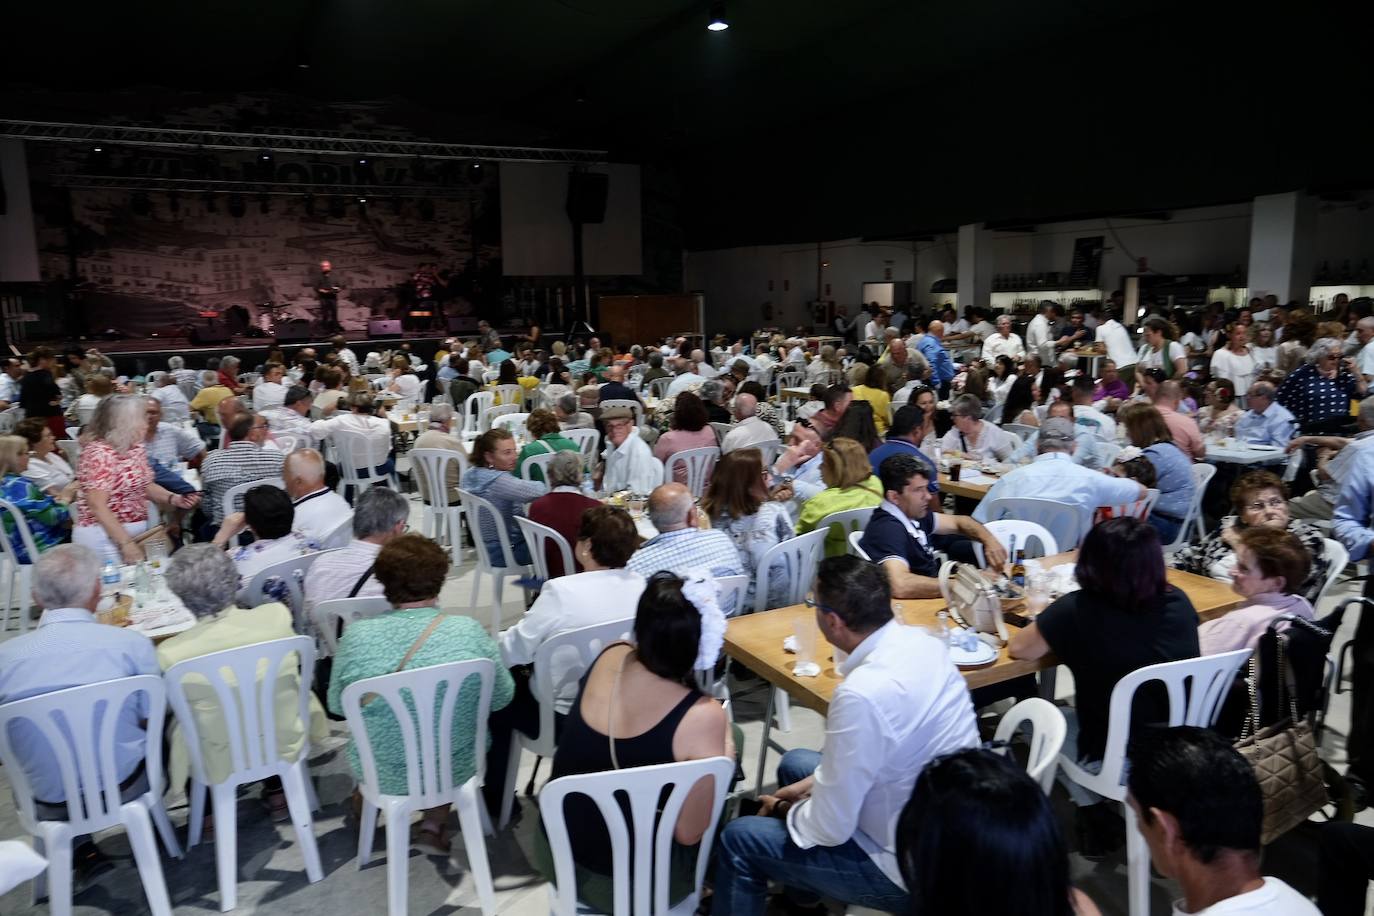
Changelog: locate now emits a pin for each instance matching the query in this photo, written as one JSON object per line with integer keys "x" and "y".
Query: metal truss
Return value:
{"x": 284, "y": 140}
{"x": 199, "y": 186}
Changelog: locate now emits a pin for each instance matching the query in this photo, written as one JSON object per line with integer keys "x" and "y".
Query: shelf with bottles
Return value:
{"x": 1344, "y": 274}
{"x": 1018, "y": 301}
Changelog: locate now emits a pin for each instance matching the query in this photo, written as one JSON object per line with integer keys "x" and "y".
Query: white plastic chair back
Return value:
{"x": 1047, "y": 732}
{"x": 854, "y": 538}
{"x": 648, "y": 860}
{"x": 1020, "y": 430}
{"x": 332, "y": 617}
{"x": 541, "y": 462}
{"x": 513, "y": 423}
{"x": 1196, "y": 688}
{"x": 442, "y": 522}
{"x": 799, "y": 557}
{"x": 473, "y": 409}
{"x": 73, "y": 432}
{"x": 1202, "y": 475}
{"x": 634, "y": 406}
{"x": 1107, "y": 453}
{"x": 658, "y": 388}
{"x": 588, "y": 441}
{"x": 537, "y": 536}
{"x": 71, "y": 450}
{"x": 849, "y": 520}
{"x": 286, "y": 442}
{"x": 1139, "y": 509}
{"x": 770, "y": 449}
{"x": 359, "y": 456}
{"x": 341, "y": 535}
{"x": 510, "y": 395}
{"x": 788, "y": 379}
{"x": 699, "y": 462}
{"x": 722, "y": 430}
{"x": 78, "y": 725}
{"x": 635, "y": 377}
{"x": 292, "y": 574}
{"x": 1068, "y": 524}
{"x": 491, "y": 413}
{"x": 427, "y": 740}
{"x": 1336, "y": 555}
{"x": 9, "y": 418}
{"x": 14, "y": 572}
{"x": 232, "y": 500}
{"x": 478, "y": 510}
{"x": 1025, "y": 532}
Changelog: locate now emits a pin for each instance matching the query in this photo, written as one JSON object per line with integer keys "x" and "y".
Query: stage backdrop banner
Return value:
{"x": 536, "y": 234}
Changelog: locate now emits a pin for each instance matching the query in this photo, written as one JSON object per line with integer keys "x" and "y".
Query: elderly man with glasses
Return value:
{"x": 1265, "y": 422}
{"x": 242, "y": 461}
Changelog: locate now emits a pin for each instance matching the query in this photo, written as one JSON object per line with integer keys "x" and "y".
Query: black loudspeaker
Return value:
{"x": 210, "y": 332}
{"x": 383, "y": 327}
{"x": 294, "y": 329}
{"x": 587, "y": 196}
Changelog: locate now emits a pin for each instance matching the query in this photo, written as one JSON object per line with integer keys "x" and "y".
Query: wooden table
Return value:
{"x": 800, "y": 394}
{"x": 965, "y": 488}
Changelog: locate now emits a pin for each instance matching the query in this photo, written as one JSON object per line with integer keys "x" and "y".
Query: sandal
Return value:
{"x": 432, "y": 841}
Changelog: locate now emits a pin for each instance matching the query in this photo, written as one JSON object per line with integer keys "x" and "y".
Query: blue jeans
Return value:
{"x": 519, "y": 548}
{"x": 752, "y": 850}
{"x": 1167, "y": 527}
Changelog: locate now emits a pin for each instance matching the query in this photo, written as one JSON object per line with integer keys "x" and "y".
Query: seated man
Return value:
{"x": 898, "y": 535}
{"x": 1054, "y": 474}
{"x": 680, "y": 545}
{"x": 1266, "y": 422}
{"x": 1200, "y": 810}
{"x": 570, "y": 415}
{"x": 207, "y": 399}
{"x": 440, "y": 435}
{"x": 292, "y": 418}
{"x": 904, "y": 438}
{"x": 830, "y": 829}
{"x": 244, "y": 460}
{"x": 174, "y": 404}
{"x": 1332, "y": 469}
{"x": 750, "y": 431}
{"x": 269, "y": 391}
{"x": 71, "y": 649}
{"x": 361, "y": 421}
{"x": 799, "y": 466}
{"x": 319, "y": 510}
{"x": 615, "y": 388}
{"x": 379, "y": 515}
{"x": 628, "y": 462}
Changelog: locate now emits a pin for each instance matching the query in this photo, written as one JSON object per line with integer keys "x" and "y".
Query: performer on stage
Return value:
{"x": 327, "y": 286}
{"x": 424, "y": 282}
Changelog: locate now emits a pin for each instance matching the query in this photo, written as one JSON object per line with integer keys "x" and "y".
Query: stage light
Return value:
{"x": 718, "y": 22}
{"x": 265, "y": 155}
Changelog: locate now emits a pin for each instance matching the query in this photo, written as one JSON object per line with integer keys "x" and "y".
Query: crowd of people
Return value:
{"x": 901, "y": 802}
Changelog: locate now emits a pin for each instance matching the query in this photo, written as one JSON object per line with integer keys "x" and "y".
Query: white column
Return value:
{"x": 1282, "y": 246}
{"x": 18, "y": 241}
{"x": 975, "y": 266}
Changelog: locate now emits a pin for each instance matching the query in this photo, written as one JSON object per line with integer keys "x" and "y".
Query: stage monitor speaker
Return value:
{"x": 293, "y": 330}
{"x": 212, "y": 332}
{"x": 383, "y": 327}
{"x": 587, "y": 196}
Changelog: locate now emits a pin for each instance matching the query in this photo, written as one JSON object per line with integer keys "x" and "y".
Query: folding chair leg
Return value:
{"x": 367, "y": 833}
{"x": 58, "y": 851}
{"x": 397, "y": 862}
{"x": 196, "y": 822}
{"x": 164, "y": 826}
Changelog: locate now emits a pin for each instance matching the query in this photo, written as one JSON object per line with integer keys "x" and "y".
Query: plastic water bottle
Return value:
{"x": 588, "y": 487}
{"x": 109, "y": 577}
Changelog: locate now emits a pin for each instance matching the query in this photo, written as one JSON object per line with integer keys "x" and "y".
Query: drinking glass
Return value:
{"x": 804, "y": 629}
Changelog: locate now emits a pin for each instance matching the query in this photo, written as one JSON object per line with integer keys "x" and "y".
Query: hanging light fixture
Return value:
{"x": 717, "y": 22}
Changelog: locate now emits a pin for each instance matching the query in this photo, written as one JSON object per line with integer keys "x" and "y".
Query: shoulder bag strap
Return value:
{"x": 358, "y": 586}
{"x": 410, "y": 653}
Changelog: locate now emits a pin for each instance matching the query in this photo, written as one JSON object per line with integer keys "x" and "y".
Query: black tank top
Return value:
{"x": 584, "y": 749}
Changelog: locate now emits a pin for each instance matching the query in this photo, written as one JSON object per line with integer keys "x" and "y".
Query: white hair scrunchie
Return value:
{"x": 699, "y": 588}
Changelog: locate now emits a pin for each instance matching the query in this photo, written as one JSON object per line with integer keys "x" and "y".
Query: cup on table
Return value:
{"x": 955, "y": 469}
{"x": 805, "y": 631}
{"x": 635, "y": 504}
{"x": 1037, "y": 594}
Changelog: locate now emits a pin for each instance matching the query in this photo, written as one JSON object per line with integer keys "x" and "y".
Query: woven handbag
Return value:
{"x": 1283, "y": 756}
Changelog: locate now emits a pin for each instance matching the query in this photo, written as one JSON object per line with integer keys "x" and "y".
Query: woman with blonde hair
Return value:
{"x": 47, "y": 518}
{"x": 404, "y": 381}
{"x": 825, "y": 368}
{"x": 850, "y": 484}
{"x": 116, "y": 482}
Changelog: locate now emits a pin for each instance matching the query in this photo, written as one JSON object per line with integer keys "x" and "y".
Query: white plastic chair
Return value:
{"x": 292, "y": 574}
{"x": 1025, "y": 532}
{"x": 788, "y": 379}
{"x": 248, "y": 707}
{"x": 854, "y": 538}
{"x": 442, "y": 522}
{"x": 473, "y": 409}
{"x": 74, "y": 432}
{"x": 332, "y": 617}
{"x": 286, "y": 442}
{"x": 16, "y": 573}
{"x": 575, "y": 651}
{"x": 429, "y": 766}
{"x": 1068, "y": 524}
{"x": 588, "y": 442}
{"x": 1140, "y": 509}
{"x": 475, "y": 507}
{"x": 491, "y": 413}
{"x": 648, "y": 859}
{"x": 1196, "y": 687}
{"x": 658, "y": 388}
{"x": 699, "y": 462}
{"x": 770, "y": 449}
{"x": 1047, "y": 732}
{"x": 79, "y": 727}
{"x": 513, "y": 423}
{"x": 232, "y": 501}
{"x": 1337, "y": 556}
{"x": 358, "y": 457}
{"x": 338, "y": 536}
{"x": 635, "y": 406}
{"x": 511, "y": 395}
{"x": 1202, "y": 475}
{"x": 536, "y": 537}
{"x": 1020, "y": 430}
{"x": 537, "y": 461}
{"x": 849, "y": 520}
{"x": 71, "y": 450}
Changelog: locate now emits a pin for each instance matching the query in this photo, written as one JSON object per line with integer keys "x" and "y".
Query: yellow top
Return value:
{"x": 882, "y": 405}
{"x": 526, "y": 381}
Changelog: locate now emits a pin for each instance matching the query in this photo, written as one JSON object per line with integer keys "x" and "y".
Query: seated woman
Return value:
{"x": 1267, "y": 561}
{"x": 1219, "y": 417}
{"x": 869, "y": 383}
{"x": 203, "y": 577}
{"x": 1124, "y": 616}
{"x": 507, "y": 374}
{"x": 489, "y": 476}
{"x": 48, "y": 467}
{"x": 689, "y": 429}
{"x": 404, "y": 382}
{"x": 268, "y": 513}
{"x": 1259, "y": 500}
{"x": 850, "y": 484}
{"x": 546, "y": 437}
{"x": 639, "y": 706}
{"x": 738, "y": 503}
{"x": 1019, "y": 407}
{"x": 98, "y": 387}
{"x": 1147, "y": 431}
{"x": 974, "y": 437}
{"x": 973, "y": 807}
{"x": 858, "y": 423}
{"x": 48, "y": 519}
{"x": 416, "y": 634}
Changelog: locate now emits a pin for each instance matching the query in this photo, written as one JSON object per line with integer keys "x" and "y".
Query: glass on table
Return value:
{"x": 805, "y": 631}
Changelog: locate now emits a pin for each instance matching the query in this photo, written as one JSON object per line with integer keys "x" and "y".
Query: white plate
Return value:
{"x": 968, "y": 659}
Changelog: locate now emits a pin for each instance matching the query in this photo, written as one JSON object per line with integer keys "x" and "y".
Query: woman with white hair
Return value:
{"x": 1319, "y": 392}
{"x": 115, "y": 481}
{"x": 203, "y": 577}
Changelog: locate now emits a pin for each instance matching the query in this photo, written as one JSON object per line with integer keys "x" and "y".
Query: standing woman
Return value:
{"x": 1235, "y": 363}
{"x": 38, "y": 391}
{"x": 1161, "y": 350}
{"x": 115, "y": 481}
{"x": 1263, "y": 348}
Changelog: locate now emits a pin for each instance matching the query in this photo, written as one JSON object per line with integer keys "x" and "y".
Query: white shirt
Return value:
{"x": 1365, "y": 360}
{"x": 1037, "y": 332}
{"x": 1237, "y": 368}
{"x": 51, "y": 473}
{"x": 350, "y": 358}
{"x": 268, "y": 394}
{"x": 997, "y": 345}
{"x": 874, "y": 331}
{"x": 1118, "y": 342}
{"x": 747, "y": 434}
{"x": 1273, "y": 898}
{"x": 631, "y": 467}
{"x": 334, "y": 574}
{"x": 287, "y": 421}
{"x": 567, "y": 603}
{"x": 1103, "y": 426}
{"x": 407, "y": 386}
{"x": 993, "y": 442}
{"x": 983, "y": 329}
{"x": 958, "y": 326}
{"x": 1150, "y": 358}
{"x": 375, "y": 428}
{"x": 9, "y": 387}
{"x": 1055, "y": 476}
{"x": 901, "y": 703}
{"x": 175, "y": 407}
{"x": 683, "y": 382}
{"x": 319, "y": 513}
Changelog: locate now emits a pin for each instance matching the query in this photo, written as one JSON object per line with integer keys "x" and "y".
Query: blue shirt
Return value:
{"x": 1054, "y": 475}
{"x": 886, "y": 538}
{"x": 69, "y": 649}
{"x": 1174, "y": 474}
{"x": 1087, "y": 448}
{"x": 686, "y": 550}
{"x": 892, "y": 447}
{"x": 1353, "y": 517}
{"x": 48, "y": 520}
{"x": 941, "y": 366}
{"x": 1275, "y": 426}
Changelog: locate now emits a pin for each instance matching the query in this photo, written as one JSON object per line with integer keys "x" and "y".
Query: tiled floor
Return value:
{"x": 272, "y": 880}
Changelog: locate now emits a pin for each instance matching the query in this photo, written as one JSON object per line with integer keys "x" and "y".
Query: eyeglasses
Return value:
{"x": 1260, "y": 505}
{"x": 812, "y": 604}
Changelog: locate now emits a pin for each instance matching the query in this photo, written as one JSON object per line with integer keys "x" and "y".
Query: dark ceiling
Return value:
{"x": 805, "y": 120}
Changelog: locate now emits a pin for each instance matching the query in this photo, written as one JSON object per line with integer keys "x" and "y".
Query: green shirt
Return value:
{"x": 860, "y": 496}
{"x": 375, "y": 646}
{"x": 544, "y": 445}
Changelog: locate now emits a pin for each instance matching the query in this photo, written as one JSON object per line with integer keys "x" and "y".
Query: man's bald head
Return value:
{"x": 936, "y": 328}
{"x": 303, "y": 471}
{"x": 670, "y": 507}
{"x": 746, "y": 405}
{"x": 616, "y": 373}
{"x": 1168, "y": 394}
